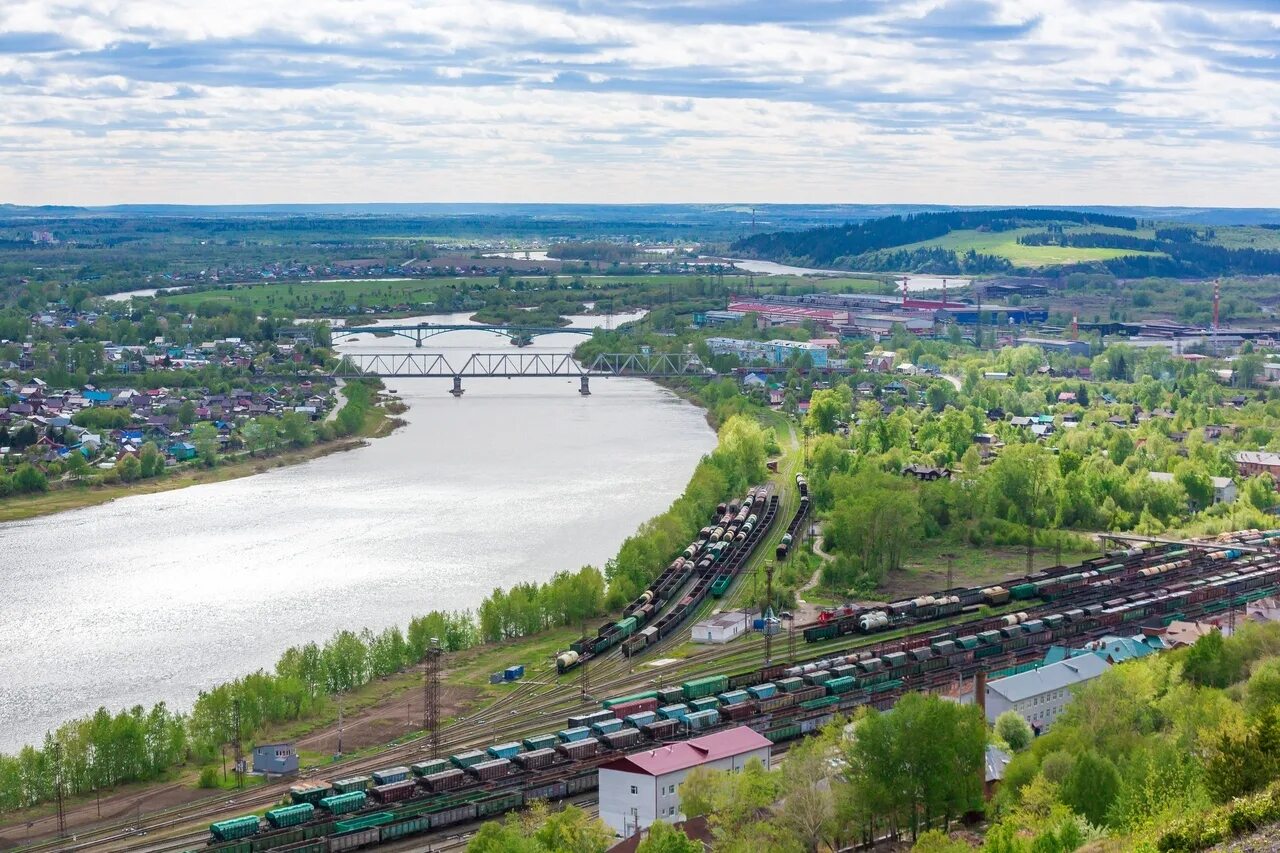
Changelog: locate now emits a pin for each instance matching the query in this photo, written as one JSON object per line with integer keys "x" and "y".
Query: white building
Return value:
{"x": 1224, "y": 488}
{"x": 1040, "y": 694}
{"x": 644, "y": 787}
{"x": 721, "y": 628}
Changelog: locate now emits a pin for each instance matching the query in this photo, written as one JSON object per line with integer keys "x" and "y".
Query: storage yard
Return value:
{"x": 510, "y": 755}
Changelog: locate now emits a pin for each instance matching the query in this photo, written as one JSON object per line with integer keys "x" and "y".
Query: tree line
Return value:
{"x": 140, "y": 745}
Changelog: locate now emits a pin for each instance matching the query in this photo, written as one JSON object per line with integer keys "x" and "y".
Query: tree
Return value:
{"x": 808, "y": 808}
{"x": 28, "y": 480}
{"x": 829, "y": 407}
{"x": 664, "y": 838}
{"x": 151, "y": 461}
{"x": 187, "y": 413}
{"x": 204, "y": 436}
{"x": 77, "y": 465}
{"x": 1022, "y": 486}
{"x": 130, "y": 468}
{"x": 571, "y": 830}
{"x": 875, "y": 520}
{"x": 1014, "y": 730}
{"x": 1091, "y": 786}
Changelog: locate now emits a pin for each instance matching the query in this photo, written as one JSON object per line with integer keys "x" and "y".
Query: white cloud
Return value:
{"x": 950, "y": 101}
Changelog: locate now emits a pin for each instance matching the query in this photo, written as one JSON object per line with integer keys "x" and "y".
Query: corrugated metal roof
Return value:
{"x": 690, "y": 753}
{"x": 1056, "y": 676}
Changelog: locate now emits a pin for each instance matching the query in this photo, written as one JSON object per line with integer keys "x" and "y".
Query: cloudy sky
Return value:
{"x": 946, "y": 101}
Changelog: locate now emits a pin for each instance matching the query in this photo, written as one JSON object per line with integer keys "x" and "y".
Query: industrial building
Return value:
{"x": 644, "y": 787}
{"x": 275, "y": 759}
{"x": 1056, "y": 345}
{"x": 1040, "y": 694}
{"x": 721, "y": 628}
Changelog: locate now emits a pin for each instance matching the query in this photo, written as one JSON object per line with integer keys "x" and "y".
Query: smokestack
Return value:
{"x": 980, "y": 691}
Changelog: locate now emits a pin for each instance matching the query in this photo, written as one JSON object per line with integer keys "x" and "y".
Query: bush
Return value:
{"x": 208, "y": 777}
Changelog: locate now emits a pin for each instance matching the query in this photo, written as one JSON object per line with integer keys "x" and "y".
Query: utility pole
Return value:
{"x": 768, "y": 593}
{"x": 57, "y": 786}
{"x": 431, "y": 694}
{"x": 235, "y": 711}
{"x": 583, "y": 682}
{"x": 339, "y": 731}
{"x": 951, "y": 567}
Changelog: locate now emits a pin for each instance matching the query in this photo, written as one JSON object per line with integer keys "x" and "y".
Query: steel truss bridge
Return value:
{"x": 519, "y": 335}
{"x": 518, "y": 365}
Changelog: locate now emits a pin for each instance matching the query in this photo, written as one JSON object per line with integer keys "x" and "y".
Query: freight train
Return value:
{"x": 715, "y": 581}
{"x": 715, "y": 556}
{"x": 797, "y": 521}
{"x": 1045, "y": 585}
{"x": 781, "y": 701}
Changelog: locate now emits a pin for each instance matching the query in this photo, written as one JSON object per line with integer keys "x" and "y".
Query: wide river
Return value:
{"x": 159, "y": 596}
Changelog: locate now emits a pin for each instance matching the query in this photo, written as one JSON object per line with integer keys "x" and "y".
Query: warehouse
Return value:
{"x": 644, "y": 787}
{"x": 1056, "y": 345}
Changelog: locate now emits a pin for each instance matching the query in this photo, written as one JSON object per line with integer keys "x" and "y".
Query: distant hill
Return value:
{"x": 1043, "y": 240}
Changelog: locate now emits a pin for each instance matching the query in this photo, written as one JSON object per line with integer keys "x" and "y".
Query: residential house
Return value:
{"x": 1252, "y": 462}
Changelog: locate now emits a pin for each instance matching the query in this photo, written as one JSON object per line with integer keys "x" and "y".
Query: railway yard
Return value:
{"x": 545, "y": 736}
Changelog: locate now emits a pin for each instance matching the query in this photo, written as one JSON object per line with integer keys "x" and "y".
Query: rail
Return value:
{"x": 511, "y": 365}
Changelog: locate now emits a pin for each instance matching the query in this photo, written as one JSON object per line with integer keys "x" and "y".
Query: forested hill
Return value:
{"x": 828, "y": 246}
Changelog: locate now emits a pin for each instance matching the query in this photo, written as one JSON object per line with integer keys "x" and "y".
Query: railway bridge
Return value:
{"x": 518, "y": 365}
{"x": 419, "y": 332}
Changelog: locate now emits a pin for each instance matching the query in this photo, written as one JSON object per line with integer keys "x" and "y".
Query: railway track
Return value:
{"x": 533, "y": 707}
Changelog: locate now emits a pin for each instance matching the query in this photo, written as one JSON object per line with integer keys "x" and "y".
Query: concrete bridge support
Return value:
{"x": 457, "y": 387}
{"x": 585, "y": 388}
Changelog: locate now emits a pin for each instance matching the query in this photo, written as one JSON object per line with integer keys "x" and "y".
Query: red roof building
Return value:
{"x": 639, "y": 789}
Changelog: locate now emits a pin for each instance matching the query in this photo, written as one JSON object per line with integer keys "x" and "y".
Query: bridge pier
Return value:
{"x": 585, "y": 388}
{"x": 457, "y": 387}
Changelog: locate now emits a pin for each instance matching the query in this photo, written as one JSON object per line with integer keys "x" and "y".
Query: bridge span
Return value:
{"x": 419, "y": 332}
{"x": 518, "y": 365}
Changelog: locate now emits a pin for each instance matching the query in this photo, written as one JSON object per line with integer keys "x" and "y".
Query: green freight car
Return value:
{"x": 820, "y": 702}
{"x": 354, "y": 783}
{"x": 290, "y": 815}
{"x": 706, "y": 703}
{"x": 634, "y": 697}
{"x": 709, "y": 686}
{"x": 721, "y": 586}
{"x": 343, "y": 803}
{"x": 363, "y": 822}
{"x": 1023, "y": 591}
{"x": 783, "y": 733}
{"x": 308, "y": 793}
{"x": 430, "y": 766}
{"x": 412, "y": 826}
{"x": 233, "y": 828}
{"x": 841, "y": 685}
{"x": 537, "y": 742}
{"x": 627, "y": 626}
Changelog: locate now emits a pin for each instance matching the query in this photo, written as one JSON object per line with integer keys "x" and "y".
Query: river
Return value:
{"x": 159, "y": 596}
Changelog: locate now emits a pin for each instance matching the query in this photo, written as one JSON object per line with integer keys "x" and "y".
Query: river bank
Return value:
{"x": 378, "y": 424}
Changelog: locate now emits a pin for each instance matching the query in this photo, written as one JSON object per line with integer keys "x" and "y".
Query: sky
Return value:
{"x": 806, "y": 101}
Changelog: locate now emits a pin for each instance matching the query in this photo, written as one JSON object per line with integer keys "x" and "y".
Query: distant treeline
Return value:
{"x": 936, "y": 260}
{"x": 827, "y": 246}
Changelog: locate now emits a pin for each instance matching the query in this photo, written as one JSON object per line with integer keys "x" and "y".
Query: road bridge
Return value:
{"x": 518, "y": 365}
{"x": 419, "y": 332}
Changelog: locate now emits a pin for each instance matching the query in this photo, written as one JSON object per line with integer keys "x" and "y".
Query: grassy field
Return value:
{"x": 1005, "y": 244}
{"x": 926, "y": 568}
{"x": 1247, "y": 237}
{"x": 299, "y": 295}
